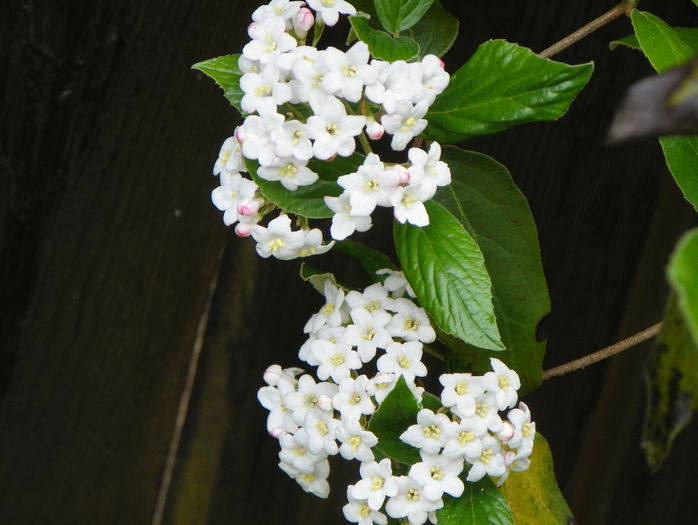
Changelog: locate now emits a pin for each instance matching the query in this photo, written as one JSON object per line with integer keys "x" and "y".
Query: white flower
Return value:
{"x": 277, "y": 239}
{"x": 280, "y": 418}
{"x": 331, "y": 314}
{"x": 369, "y": 186}
{"x": 428, "y": 169}
{"x": 405, "y": 122}
{"x": 352, "y": 399}
{"x": 304, "y": 399}
{"x": 403, "y": 359}
{"x": 322, "y": 432}
{"x": 291, "y": 140}
{"x": 396, "y": 82}
{"x": 490, "y": 461}
{"x": 308, "y": 74}
{"x": 327, "y": 333}
{"x": 485, "y": 410}
{"x": 333, "y": 130}
{"x": 315, "y": 481}
{"x": 336, "y": 360}
{"x": 269, "y": 39}
{"x": 294, "y": 451}
{"x": 329, "y": 9}
{"x": 430, "y": 433}
{"x": 381, "y": 385}
{"x": 234, "y": 188}
{"x": 290, "y": 171}
{"x": 276, "y": 8}
{"x": 465, "y": 438}
{"x": 461, "y": 390}
{"x": 348, "y": 72}
{"x": 368, "y": 332}
{"x": 344, "y": 220}
{"x": 503, "y": 382}
{"x": 264, "y": 91}
{"x": 434, "y": 76}
{"x": 411, "y": 322}
{"x": 229, "y": 158}
{"x": 438, "y": 474}
{"x": 377, "y": 482}
{"x": 523, "y": 429}
{"x": 274, "y": 375}
{"x": 374, "y": 299}
{"x": 396, "y": 283}
{"x": 258, "y": 143}
{"x": 408, "y": 202}
{"x": 312, "y": 243}
{"x": 356, "y": 441}
{"x": 411, "y": 502}
{"x": 358, "y": 511}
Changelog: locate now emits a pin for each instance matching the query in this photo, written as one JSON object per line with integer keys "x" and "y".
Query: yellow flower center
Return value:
{"x": 276, "y": 245}
{"x": 431, "y": 431}
{"x": 408, "y": 124}
{"x": 369, "y": 334}
{"x": 412, "y": 494}
{"x": 372, "y": 306}
{"x": 337, "y": 359}
{"x": 486, "y": 456}
{"x": 378, "y": 483}
{"x": 461, "y": 387}
{"x": 436, "y": 472}
{"x": 332, "y": 128}
{"x": 465, "y": 437}
{"x": 289, "y": 170}
{"x": 403, "y": 361}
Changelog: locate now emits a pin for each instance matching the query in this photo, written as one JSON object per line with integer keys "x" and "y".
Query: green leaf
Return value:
{"x": 628, "y": 41}
{"x": 431, "y": 402}
{"x": 398, "y": 15}
{"x": 681, "y": 154}
{"x": 672, "y": 386}
{"x": 480, "y": 504}
{"x": 688, "y": 34}
{"x": 308, "y": 201}
{"x": 663, "y": 45}
{"x": 534, "y": 495}
{"x": 484, "y": 198}
{"x": 316, "y": 278}
{"x": 397, "y": 412}
{"x": 435, "y": 32}
{"x": 381, "y": 44}
{"x": 370, "y": 260}
{"x": 446, "y": 269}
{"x": 503, "y": 85}
{"x": 225, "y": 71}
{"x": 683, "y": 275}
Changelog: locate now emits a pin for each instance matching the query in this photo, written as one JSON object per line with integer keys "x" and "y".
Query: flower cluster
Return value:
{"x": 316, "y": 419}
{"x": 304, "y": 103}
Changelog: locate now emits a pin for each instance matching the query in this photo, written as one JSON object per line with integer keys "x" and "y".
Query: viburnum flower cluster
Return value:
{"x": 382, "y": 330}
{"x": 305, "y": 103}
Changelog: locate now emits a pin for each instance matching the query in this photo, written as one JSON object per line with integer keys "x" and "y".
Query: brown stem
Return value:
{"x": 623, "y": 8}
{"x": 604, "y": 353}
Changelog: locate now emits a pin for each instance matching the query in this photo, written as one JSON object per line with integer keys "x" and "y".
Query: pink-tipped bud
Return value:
{"x": 272, "y": 375}
{"x": 442, "y": 64}
{"x": 249, "y": 207}
{"x": 509, "y": 458}
{"x": 277, "y": 432}
{"x": 507, "y": 432}
{"x": 243, "y": 230}
{"x": 374, "y": 129}
{"x": 303, "y": 21}
{"x": 404, "y": 174}
{"x": 324, "y": 402}
{"x": 240, "y": 134}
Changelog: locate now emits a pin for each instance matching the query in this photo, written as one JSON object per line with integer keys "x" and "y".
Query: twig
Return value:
{"x": 604, "y": 353}
{"x": 623, "y": 8}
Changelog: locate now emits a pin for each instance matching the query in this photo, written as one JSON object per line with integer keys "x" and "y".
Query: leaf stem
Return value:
{"x": 433, "y": 351}
{"x": 364, "y": 144}
{"x": 624, "y": 7}
{"x": 317, "y": 31}
{"x": 582, "y": 362}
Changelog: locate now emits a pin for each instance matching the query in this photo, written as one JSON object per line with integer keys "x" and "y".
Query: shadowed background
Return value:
{"x": 123, "y": 293}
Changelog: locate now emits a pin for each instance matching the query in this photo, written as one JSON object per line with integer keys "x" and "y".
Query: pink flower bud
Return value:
{"x": 404, "y": 174}
{"x": 272, "y": 375}
{"x": 507, "y": 432}
{"x": 303, "y": 21}
{"x": 276, "y": 433}
{"x": 249, "y": 207}
{"x": 243, "y": 230}
{"x": 442, "y": 64}
{"x": 324, "y": 402}
{"x": 509, "y": 458}
{"x": 374, "y": 129}
{"x": 240, "y": 134}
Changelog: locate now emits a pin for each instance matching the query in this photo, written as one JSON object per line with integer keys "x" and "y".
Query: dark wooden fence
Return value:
{"x": 125, "y": 300}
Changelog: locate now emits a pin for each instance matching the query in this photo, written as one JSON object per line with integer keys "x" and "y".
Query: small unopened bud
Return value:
{"x": 302, "y": 22}
{"x": 240, "y": 134}
{"x": 404, "y": 174}
{"x": 324, "y": 402}
{"x": 442, "y": 64}
{"x": 374, "y": 129}
{"x": 243, "y": 230}
{"x": 276, "y": 433}
{"x": 272, "y": 375}
{"x": 507, "y": 432}
{"x": 249, "y": 207}
{"x": 509, "y": 458}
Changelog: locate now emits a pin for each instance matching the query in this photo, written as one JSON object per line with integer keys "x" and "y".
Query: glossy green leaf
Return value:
{"x": 397, "y": 412}
{"x": 503, "y": 85}
{"x": 446, "y": 269}
{"x": 663, "y": 45}
{"x": 681, "y": 154}
{"x": 370, "y": 260}
{"x": 672, "y": 386}
{"x": 226, "y": 73}
{"x": 484, "y": 198}
{"x": 316, "y": 277}
{"x": 480, "y": 504}
{"x": 308, "y": 201}
{"x": 688, "y": 34}
{"x": 435, "y": 32}
{"x": 398, "y": 15}
{"x": 628, "y": 41}
{"x": 381, "y": 44}
{"x": 431, "y": 402}
{"x": 534, "y": 495}
{"x": 683, "y": 275}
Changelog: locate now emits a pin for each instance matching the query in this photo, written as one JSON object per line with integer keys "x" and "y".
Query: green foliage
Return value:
{"x": 484, "y": 198}
{"x": 480, "y": 504}
{"x": 533, "y": 495}
{"x": 316, "y": 278}
{"x": 663, "y": 45}
{"x": 688, "y": 34}
{"x": 381, "y": 44}
{"x": 370, "y": 260}
{"x": 226, "y": 73}
{"x": 435, "y": 32}
{"x": 446, "y": 269}
{"x": 398, "y": 15}
{"x": 503, "y": 85}
{"x": 683, "y": 275}
{"x": 397, "y": 412}
{"x": 627, "y": 41}
{"x": 308, "y": 201}
{"x": 681, "y": 154}
{"x": 431, "y": 402}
